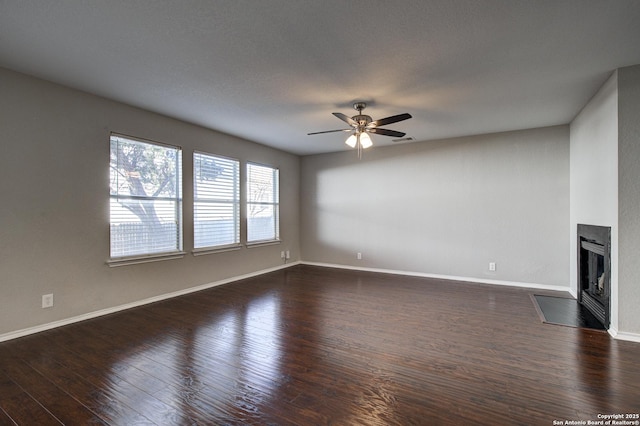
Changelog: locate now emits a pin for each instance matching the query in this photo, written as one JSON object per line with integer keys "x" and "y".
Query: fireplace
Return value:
{"x": 594, "y": 270}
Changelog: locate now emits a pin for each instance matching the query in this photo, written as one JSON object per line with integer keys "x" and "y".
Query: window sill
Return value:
{"x": 263, "y": 243}
{"x": 134, "y": 260}
{"x": 212, "y": 250}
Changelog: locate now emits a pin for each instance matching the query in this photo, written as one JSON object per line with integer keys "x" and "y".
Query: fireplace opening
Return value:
{"x": 594, "y": 270}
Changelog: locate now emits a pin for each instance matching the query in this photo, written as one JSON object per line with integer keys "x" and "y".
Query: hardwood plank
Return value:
{"x": 98, "y": 399}
{"x": 5, "y": 420}
{"x": 109, "y": 378}
{"x": 18, "y": 404}
{"x": 61, "y": 405}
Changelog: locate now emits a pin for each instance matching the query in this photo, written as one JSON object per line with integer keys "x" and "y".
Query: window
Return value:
{"x": 146, "y": 198}
{"x": 263, "y": 209}
{"x": 216, "y": 198}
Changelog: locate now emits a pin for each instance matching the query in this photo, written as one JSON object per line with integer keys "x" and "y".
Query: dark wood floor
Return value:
{"x": 319, "y": 346}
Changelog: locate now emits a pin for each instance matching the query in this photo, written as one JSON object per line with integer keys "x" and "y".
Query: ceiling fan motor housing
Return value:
{"x": 362, "y": 120}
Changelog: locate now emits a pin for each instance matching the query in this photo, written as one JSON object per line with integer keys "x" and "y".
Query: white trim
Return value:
{"x": 134, "y": 260}
{"x": 444, "y": 277}
{"x": 622, "y": 335}
{"x": 219, "y": 249}
{"x": 44, "y": 327}
{"x": 260, "y": 243}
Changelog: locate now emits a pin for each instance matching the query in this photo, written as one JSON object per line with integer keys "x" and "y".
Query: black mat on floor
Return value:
{"x": 564, "y": 311}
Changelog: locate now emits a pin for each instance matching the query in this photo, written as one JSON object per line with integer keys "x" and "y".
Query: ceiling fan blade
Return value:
{"x": 389, "y": 120}
{"x": 330, "y": 131}
{"x": 350, "y": 121}
{"x": 386, "y": 132}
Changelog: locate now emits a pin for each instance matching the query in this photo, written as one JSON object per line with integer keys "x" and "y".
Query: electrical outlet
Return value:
{"x": 47, "y": 300}
{"x": 359, "y": 256}
{"x": 282, "y": 255}
{"x": 492, "y": 266}
{"x": 287, "y": 255}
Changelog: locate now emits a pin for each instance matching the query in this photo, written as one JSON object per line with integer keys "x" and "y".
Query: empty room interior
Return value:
{"x": 305, "y": 213}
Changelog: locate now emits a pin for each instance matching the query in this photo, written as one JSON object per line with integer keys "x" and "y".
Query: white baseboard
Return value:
{"x": 622, "y": 335}
{"x": 39, "y": 328}
{"x": 565, "y": 289}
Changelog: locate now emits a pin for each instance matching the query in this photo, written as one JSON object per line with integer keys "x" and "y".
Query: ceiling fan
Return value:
{"x": 362, "y": 125}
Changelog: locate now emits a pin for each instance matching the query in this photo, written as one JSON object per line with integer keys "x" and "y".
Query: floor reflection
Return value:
{"x": 596, "y": 370}
{"x": 262, "y": 344}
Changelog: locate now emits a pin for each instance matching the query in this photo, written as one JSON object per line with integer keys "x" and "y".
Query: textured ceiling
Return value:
{"x": 271, "y": 71}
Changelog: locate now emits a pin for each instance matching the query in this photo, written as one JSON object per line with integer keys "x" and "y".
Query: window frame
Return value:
{"x": 275, "y": 203}
{"x": 178, "y": 199}
{"x": 236, "y": 202}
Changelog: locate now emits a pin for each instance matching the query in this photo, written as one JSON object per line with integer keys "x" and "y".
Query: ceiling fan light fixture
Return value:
{"x": 351, "y": 141}
{"x": 365, "y": 140}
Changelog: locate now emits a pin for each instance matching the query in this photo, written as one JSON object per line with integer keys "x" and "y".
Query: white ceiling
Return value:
{"x": 273, "y": 70}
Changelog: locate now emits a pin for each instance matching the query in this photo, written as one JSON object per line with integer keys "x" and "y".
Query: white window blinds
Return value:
{"x": 216, "y": 196}
{"x": 145, "y": 198}
{"x": 263, "y": 209}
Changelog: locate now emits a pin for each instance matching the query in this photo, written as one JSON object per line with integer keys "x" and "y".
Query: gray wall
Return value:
{"x": 446, "y": 207}
{"x": 594, "y": 177}
{"x": 54, "y": 215}
{"x": 629, "y": 196}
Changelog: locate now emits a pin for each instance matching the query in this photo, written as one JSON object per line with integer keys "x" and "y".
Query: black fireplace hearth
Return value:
{"x": 594, "y": 270}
